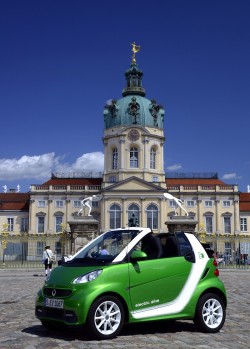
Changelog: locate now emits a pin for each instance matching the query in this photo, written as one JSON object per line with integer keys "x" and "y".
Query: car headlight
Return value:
{"x": 87, "y": 277}
{"x": 47, "y": 277}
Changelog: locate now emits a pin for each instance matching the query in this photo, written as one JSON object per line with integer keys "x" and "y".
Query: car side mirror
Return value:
{"x": 137, "y": 255}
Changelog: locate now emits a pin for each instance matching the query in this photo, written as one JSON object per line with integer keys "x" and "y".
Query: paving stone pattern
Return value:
{"x": 19, "y": 328}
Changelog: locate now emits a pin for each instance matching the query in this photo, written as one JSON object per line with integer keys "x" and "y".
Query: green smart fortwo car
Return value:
{"x": 131, "y": 275}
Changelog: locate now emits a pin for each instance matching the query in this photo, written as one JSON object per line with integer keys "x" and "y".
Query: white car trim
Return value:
{"x": 179, "y": 303}
{"x": 142, "y": 232}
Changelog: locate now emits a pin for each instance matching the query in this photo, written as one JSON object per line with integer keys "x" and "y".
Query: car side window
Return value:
{"x": 151, "y": 245}
{"x": 184, "y": 244}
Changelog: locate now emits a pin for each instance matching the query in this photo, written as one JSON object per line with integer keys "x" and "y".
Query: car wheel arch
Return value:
{"x": 119, "y": 297}
{"x": 216, "y": 291}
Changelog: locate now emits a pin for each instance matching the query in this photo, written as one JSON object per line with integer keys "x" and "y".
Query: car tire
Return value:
{"x": 210, "y": 313}
{"x": 106, "y": 317}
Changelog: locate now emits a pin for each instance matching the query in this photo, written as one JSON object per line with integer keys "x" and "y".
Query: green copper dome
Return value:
{"x": 133, "y": 108}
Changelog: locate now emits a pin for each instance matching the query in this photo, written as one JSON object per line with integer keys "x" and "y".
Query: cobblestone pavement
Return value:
{"x": 19, "y": 328}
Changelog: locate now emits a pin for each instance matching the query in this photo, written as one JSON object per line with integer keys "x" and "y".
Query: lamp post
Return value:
{"x": 23, "y": 240}
{"x": 5, "y": 235}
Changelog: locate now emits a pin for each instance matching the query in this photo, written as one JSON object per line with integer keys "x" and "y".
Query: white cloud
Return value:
{"x": 41, "y": 166}
{"x": 174, "y": 167}
{"x": 230, "y": 176}
{"x": 89, "y": 161}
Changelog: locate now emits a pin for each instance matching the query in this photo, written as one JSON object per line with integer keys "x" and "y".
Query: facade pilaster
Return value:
{"x": 67, "y": 210}
{"x": 236, "y": 215}
{"x": 50, "y": 223}
{"x": 122, "y": 153}
{"x": 124, "y": 222}
{"x": 217, "y": 215}
{"x": 143, "y": 218}
{"x": 199, "y": 210}
{"x": 32, "y": 217}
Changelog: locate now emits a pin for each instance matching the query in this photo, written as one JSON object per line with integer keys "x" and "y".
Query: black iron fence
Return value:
{"x": 28, "y": 253}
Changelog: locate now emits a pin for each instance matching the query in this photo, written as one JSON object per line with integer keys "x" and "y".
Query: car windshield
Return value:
{"x": 106, "y": 247}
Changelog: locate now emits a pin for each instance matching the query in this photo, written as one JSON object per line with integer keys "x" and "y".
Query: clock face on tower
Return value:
{"x": 133, "y": 135}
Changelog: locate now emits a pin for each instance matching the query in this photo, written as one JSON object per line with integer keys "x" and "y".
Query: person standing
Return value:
{"x": 48, "y": 259}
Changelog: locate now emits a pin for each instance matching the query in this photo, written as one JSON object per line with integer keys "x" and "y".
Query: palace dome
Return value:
{"x": 133, "y": 108}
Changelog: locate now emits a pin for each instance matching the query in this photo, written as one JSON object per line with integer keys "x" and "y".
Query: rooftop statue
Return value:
{"x": 135, "y": 49}
{"x": 88, "y": 202}
{"x": 179, "y": 202}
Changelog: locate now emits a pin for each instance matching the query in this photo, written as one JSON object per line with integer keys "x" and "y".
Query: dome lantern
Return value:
{"x": 134, "y": 76}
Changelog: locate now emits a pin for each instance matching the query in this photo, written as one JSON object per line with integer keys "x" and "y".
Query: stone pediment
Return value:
{"x": 134, "y": 184}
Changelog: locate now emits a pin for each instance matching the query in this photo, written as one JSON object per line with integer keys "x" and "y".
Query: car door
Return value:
{"x": 155, "y": 283}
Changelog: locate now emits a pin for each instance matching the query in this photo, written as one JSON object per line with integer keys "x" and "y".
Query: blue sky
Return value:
{"x": 61, "y": 60}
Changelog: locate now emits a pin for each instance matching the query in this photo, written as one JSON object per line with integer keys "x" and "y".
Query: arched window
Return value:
{"x": 152, "y": 216}
{"x": 115, "y": 216}
{"x": 114, "y": 159}
{"x": 133, "y": 212}
{"x": 133, "y": 157}
{"x": 152, "y": 158}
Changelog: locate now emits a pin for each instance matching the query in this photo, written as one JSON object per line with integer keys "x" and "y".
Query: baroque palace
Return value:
{"x": 132, "y": 185}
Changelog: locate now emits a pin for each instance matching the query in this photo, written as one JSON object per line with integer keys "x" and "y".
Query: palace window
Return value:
{"x": 10, "y": 222}
{"x": 40, "y": 224}
{"x": 172, "y": 204}
{"x": 58, "y": 247}
{"x": 77, "y": 203}
{"x": 112, "y": 179}
{"x": 41, "y": 203}
{"x": 228, "y": 250}
{"x": 95, "y": 203}
{"x": 40, "y": 246}
{"x": 243, "y": 224}
{"x": 152, "y": 216}
{"x": 226, "y": 203}
{"x": 58, "y": 222}
{"x": 208, "y": 203}
{"x": 227, "y": 225}
{"x": 152, "y": 158}
{"x": 209, "y": 224}
{"x": 114, "y": 159}
{"x": 133, "y": 157}
{"x": 115, "y": 216}
{"x": 59, "y": 203}
{"x": 24, "y": 224}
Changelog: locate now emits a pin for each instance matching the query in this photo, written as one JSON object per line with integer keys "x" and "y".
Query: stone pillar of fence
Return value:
{"x": 82, "y": 230}
{"x": 181, "y": 223}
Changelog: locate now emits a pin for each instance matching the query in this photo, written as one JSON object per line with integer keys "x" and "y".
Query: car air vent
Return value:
{"x": 205, "y": 273}
{"x": 57, "y": 292}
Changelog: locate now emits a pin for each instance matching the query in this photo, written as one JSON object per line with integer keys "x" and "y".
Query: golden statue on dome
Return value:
{"x": 135, "y": 49}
